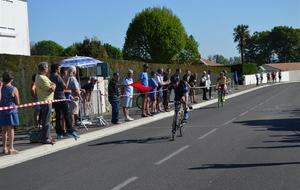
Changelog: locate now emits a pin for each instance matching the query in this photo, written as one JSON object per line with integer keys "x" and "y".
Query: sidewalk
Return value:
{"x": 22, "y": 140}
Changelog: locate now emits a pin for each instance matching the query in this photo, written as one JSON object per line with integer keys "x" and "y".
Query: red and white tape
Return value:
{"x": 32, "y": 104}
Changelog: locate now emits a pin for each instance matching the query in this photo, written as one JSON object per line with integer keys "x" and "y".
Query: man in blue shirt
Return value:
{"x": 127, "y": 95}
{"x": 144, "y": 79}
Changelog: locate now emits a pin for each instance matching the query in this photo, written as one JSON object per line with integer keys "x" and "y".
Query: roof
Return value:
{"x": 209, "y": 63}
{"x": 285, "y": 66}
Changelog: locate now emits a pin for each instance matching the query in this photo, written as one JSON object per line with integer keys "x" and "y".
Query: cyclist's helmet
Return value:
{"x": 221, "y": 73}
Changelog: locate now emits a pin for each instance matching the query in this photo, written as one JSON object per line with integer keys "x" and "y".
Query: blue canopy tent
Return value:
{"x": 86, "y": 62}
{"x": 82, "y": 62}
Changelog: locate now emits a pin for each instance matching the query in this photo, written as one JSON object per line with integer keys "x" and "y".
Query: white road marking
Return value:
{"x": 171, "y": 155}
{"x": 253, "y": 108}
{"x": 120, "y": 186}
{"x": 208, "y": 133}
{"x": 261, "y": 104}
{"x": 226, "y": 123}
{"x": 244, "y": 113}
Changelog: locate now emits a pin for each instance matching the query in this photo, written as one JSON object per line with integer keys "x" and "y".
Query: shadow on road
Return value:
{"x": 235, "y": 166}
{"x": 280, "y": 125}
{"x": 136, "y": 141}
{"x": 289, "y": 124}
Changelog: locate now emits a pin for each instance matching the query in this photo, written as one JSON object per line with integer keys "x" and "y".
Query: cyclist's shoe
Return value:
{"x": 185, "y": 116}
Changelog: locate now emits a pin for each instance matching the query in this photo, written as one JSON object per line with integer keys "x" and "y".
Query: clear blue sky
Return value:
{"x": 211, "y": 22}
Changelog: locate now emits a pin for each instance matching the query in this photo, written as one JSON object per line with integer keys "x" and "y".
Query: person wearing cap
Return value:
{"x": 144, "y": 79}
{"x": 114, "y": 97}
{"x": 45, "y": 91}
{"x": 127, "y": 95}
{"x": 9, "y": 119}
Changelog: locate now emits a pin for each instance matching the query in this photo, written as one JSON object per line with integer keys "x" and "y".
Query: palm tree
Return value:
{"x": 240, "y": 36}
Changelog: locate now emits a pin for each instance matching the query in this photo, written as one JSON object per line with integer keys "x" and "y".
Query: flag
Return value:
{"x": 140, "y": 87}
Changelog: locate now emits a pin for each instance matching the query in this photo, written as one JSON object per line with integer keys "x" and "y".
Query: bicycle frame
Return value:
{"x": 177, "y": 119}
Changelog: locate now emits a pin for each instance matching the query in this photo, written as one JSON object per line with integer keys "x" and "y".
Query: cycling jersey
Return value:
{"x": 222, "y": 82}
{"x": 180, "y": 90}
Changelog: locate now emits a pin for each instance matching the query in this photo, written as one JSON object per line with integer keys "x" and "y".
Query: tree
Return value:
{"x": 90, "y": 47}
{"x": 154, "y": 35}
{"x": 240, "y": 36}
{"x": 189, "y": 53}
{"x": 113, "y": 52}
{"x": 47, "y": 47}
{"x": 235, "y": 60}
{"x": 219, "y": 59}
{"x": 259, "y": 48}
{"x": 286, "y": 43}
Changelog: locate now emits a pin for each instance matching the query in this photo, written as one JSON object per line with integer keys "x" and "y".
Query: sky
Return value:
{"x": 211, "y": 22}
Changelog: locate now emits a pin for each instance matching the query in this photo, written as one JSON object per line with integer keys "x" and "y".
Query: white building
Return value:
{"x": 14, "y": 31}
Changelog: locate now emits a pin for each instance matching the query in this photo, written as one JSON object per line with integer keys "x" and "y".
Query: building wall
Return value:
{"x": 294, "y": 75}
{"x": 14, "y": 30}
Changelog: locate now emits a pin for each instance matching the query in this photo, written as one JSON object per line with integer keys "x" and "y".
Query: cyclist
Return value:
{"x": 181, "y": 95}
{"x": 221, "y": 83}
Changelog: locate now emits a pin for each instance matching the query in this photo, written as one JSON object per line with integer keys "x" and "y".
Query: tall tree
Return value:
{"x": 154, "y": 35}
{"x": 47, "y": 47}
{"x": 240, "y": 36}
{"x": 286, "y": 43}
{"x": 219, "y": 59}
{"x": 259, "y": 48}
{"x": 190, "y": 53}
{"x": 91, "y": 47}
{"x": 113, "y": 52}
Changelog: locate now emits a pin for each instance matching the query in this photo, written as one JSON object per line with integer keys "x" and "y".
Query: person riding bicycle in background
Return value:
{"x": 221, "y": 83}
{"x": 181, "y": 95}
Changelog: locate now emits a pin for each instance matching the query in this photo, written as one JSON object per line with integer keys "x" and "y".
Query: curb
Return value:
{"x": 43, "y": 150}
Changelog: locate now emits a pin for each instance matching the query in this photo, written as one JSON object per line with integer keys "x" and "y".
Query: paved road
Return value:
{"x": 251, "y": 144}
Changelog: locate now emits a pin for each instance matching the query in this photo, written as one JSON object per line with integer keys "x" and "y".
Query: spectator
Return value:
{"x": 203, "y": 84}
{"x": 257, "y": 79}
{"x": 187, "y": 76}
{"x": 74, "y": 86}
{"x": 176, "y": 76}
{"x": 45, "y": 89}
{"x": 114, "y": 97}
{"x": 166, "y": 92}
{"x": 37, "y": 108}
{"x": 127, "y": 95}
{"x": 152, "y": 95}
{"x": 192, "y": 83}
{"x": 143, "y": 78}
{"x": 9, "y": 119}
{"x": 186, "y": 79}
{"x": 89, "y": 87}
{"x": 279, "y": 75}
{"x": 273, "y": 75}
{"x": 235, "y": 78}
{"x": 62, "y": 109}
{"x": 160, "y": 82}
{"x": 209, "y": 83}
{"x": 261, "y": 77}
{"x": 268, "y": 77}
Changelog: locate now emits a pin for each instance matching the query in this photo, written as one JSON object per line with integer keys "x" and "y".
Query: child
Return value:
{"x": 9, "y": 118}
{"x": 152, "y": 94}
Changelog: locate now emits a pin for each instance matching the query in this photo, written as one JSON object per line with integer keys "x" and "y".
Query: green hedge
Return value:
{"x": 244, "y": 69}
